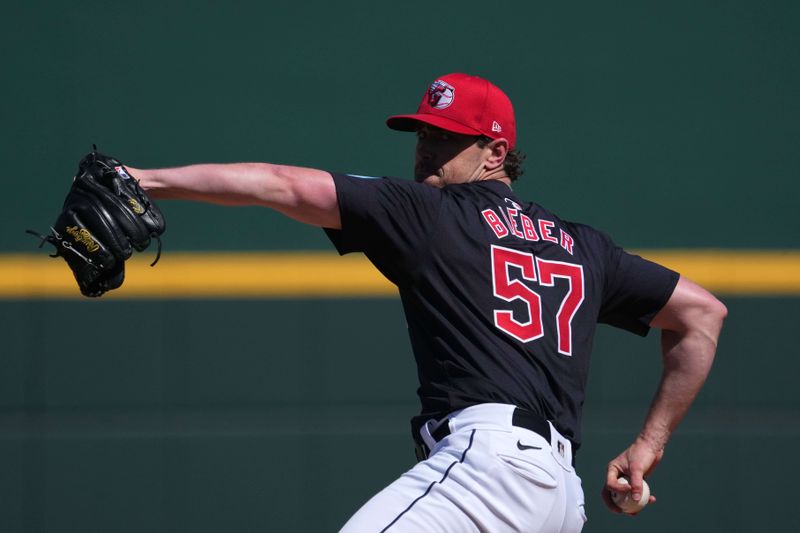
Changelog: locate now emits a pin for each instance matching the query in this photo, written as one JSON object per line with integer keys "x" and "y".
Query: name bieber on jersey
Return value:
{"x": 512, "y": 221}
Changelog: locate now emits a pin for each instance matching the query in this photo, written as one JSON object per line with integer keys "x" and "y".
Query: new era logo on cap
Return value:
{"x": 464, "y": 104}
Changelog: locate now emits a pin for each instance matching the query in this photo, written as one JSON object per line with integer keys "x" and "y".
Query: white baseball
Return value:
{"x": 624, "y": 500}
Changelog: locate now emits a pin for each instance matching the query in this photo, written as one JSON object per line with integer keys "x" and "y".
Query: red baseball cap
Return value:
{"x": 463, "y": 104}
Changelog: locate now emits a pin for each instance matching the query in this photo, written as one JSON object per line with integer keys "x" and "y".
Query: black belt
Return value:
{"x": 521, "y": 418}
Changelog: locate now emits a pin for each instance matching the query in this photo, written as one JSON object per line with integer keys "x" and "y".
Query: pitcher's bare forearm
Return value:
{"x": 304, "y": 194}
{"x": 691, "y": 322}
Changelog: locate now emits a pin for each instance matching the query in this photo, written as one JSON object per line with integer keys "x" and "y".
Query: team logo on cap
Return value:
{"x": 440, "y": 94}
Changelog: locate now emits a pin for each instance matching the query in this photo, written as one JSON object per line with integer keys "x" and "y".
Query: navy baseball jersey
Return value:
{"x": 501, "y": 296}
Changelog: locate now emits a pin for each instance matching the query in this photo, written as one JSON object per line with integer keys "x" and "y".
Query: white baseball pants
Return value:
{"x": 486, "y": 476}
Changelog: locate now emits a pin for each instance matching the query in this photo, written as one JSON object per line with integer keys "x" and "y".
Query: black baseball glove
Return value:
{"x": 106, "y": 216}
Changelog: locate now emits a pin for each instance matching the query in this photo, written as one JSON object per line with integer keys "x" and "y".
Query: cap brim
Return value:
{"x": 411, "y": 123}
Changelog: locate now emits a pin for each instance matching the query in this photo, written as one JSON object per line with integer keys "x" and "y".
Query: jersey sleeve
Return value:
{"x": 389, "y": 220}
{"x": 635, "y": 290}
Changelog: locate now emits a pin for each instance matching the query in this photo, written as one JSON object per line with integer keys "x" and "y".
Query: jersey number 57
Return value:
{"x": 544, "y": 273}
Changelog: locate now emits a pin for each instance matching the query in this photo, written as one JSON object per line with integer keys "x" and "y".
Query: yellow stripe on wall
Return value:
{"x": 325, "y": 274}
{"x": 736, "y": 272}
{"x": 206, "y": 275}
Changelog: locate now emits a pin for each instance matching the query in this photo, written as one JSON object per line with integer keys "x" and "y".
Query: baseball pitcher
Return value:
{"x": 502, "y": 298}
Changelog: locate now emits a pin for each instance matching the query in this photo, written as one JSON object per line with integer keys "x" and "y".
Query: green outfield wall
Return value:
{"x": 286, "y": 415}
{"x": 673, "y": 126}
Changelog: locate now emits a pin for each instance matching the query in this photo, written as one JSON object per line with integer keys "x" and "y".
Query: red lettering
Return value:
{"x": 528, "y": 229}
{"x": 548, "y": 271}
{"x": 566, "y": 241}
{"x": 544, "y": 229}
{"x": 509, "y": 290}
{"x": 527, "y": 325}
{"x": 495, "y": 223}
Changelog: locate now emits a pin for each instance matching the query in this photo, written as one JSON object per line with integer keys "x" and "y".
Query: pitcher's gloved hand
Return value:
{"x": 106, "y": 215}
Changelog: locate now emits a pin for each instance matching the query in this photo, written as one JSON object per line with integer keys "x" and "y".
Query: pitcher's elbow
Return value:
{"x": 718, "y": 310}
